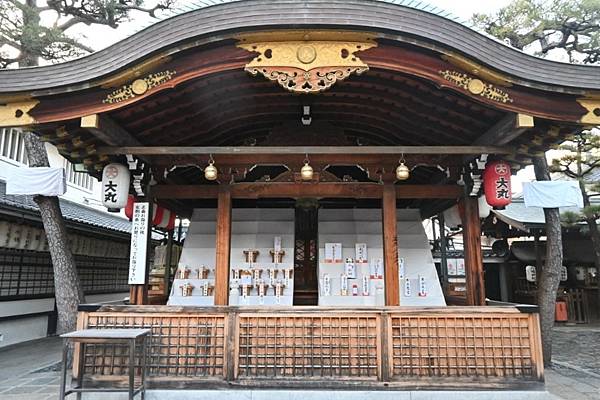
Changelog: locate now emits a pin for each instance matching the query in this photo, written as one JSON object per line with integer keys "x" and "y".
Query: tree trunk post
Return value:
{"x": 549, "y": 276}
{"x": 67, "y": 288}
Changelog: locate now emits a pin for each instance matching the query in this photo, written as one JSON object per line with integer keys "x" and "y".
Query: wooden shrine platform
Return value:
{"x": 404, "y": 348}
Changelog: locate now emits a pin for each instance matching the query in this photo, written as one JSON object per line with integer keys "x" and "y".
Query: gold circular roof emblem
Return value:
{"x": 476, "y": 86}
{"x": 139, "y": 86}
{"x": 306, "y": 54}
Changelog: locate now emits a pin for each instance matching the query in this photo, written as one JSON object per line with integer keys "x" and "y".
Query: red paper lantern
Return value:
{"x": 161, "y": 217}
{"x": 496, "y": 184}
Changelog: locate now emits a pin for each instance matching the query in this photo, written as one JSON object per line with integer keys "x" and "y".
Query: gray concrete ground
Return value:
{"x": 29, "y": 371}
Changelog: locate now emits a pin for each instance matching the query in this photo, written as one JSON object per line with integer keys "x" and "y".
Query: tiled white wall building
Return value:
{"x": 26, "y": 279}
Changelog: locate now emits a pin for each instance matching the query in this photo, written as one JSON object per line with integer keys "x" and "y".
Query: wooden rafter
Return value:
{"x": 302, "y": 150}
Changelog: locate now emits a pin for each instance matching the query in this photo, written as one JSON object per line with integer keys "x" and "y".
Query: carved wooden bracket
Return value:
{"x": 307, "y": 66}
{"x": 17, "y": 114}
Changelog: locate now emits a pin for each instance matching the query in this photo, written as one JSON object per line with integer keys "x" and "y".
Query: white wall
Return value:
{"x": 22, "y": 330}
{"x": 90, "y": 198}
{"x": 35, "y": 327}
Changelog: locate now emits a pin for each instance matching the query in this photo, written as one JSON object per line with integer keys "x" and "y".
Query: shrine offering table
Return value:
{"x": 129, "y": 337}
{"x": 300, "y": 347}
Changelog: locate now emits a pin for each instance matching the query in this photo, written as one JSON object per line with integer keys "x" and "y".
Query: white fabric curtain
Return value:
{"x": 44, "y": 181}
{"x": 552, "y": 194}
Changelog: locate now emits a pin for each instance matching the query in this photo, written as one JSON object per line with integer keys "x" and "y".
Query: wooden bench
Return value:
{"x": 132, "y": 337}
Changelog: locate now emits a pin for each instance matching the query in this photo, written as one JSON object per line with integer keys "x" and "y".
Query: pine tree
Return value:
{"x": 581, "y": 162}
{"x": 547, "y": 27}
{"x": 26, "y": 40}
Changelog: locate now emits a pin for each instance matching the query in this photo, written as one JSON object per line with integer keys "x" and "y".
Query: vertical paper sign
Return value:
{"x": 460, "y": 267}
{"x": 360, "y": 253}
{"x": 139, "y": 233}
{"x": 333, "y": 252}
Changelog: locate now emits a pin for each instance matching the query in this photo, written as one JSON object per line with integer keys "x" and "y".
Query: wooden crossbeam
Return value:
{"x": 299, "y": 190}
{"x": 108, "y": 131}
{"x": 504, "y": 131}
{"x": 303, "y": 150}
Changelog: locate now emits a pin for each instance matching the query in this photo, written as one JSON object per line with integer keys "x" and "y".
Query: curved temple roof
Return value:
{"x": 386, "y": 20}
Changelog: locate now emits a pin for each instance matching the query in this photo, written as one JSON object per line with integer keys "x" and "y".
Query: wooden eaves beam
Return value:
{"x": 298, "y": 190}
{"x": 108, "y": 131}
{"x": 504, "y": 131}
{"x": 302, "y": 150}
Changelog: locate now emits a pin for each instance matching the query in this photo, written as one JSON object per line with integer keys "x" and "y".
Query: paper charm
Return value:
{"x": 278, "y": 292}
{"x": 407, "y": 289}
{"x": 422, "y": 286}
{"x": 365, "y": 285}
{"x": 355, "y": 290}
{"x": 401, "y": 271}
{"x": 344, "y": 285}
{"x": 376, "y": 268}
{"x": 350, "y": 268}
{"x": 326, "y": 285}
{"x": 361, "y": 253}
{"x": 261, "y": 291}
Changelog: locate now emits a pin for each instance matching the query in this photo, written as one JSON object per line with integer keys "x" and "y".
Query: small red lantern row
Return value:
{"x": 161, "y": 217}
{"x": 496, "y": 184}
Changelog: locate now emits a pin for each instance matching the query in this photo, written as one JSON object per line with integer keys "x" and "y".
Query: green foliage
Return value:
{"x": 592, "y": 211}
{"x": 571, "y": 25}
{"x": 581, "y": 157}
{"x": 27, "y": 39}
{"x": 570, "y": 218}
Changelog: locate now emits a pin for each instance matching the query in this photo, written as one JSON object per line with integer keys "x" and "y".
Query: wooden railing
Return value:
{"x": 398, "y": 347}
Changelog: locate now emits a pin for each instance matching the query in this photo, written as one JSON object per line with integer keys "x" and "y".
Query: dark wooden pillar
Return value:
{"x": 223, "y": 246}
{"x": 472, "y": 251}
{"x": 390, "y": 246}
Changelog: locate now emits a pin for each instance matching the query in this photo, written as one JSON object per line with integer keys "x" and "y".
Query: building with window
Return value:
{"x": 99, "y": 242}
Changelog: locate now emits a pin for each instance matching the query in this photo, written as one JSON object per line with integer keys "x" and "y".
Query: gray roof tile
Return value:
{"x": 71, "y": 211}
{"x": 212, "y": 23}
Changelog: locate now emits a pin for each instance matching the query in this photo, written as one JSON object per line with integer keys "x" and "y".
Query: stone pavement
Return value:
{"x": 29, "y": 371}
{"x": 575, "y": 373}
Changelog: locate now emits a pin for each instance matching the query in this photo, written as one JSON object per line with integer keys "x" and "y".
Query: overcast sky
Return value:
{"x": 100, "y": 37}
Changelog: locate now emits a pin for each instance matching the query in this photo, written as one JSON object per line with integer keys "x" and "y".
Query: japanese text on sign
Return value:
{"x": 139, "y": 234}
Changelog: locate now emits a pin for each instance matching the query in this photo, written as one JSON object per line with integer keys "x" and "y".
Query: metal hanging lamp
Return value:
{"x": 211, "y": 172}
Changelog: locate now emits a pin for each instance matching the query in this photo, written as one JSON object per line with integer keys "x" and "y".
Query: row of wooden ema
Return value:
{"x": 387, "y": 192}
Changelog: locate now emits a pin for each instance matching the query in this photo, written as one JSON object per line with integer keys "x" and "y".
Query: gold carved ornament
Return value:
{"x": 138, "y": 87}
{"x": 592, "y": 106}
{"x": 17, "y": 114}
{"x": 306, "y": 66}
{"x": 476, "y": 86}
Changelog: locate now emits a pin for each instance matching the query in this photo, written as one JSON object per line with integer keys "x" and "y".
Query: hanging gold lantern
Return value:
{"x": 210, "y": 172}
{"x": 402, "y": 171}
{"x": 307, "y": 171}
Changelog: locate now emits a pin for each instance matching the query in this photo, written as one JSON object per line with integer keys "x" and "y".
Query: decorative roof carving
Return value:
{"x": 306, "y": 66}
{"x": 476, "y": 86}
{"x": 138, "y": 87}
